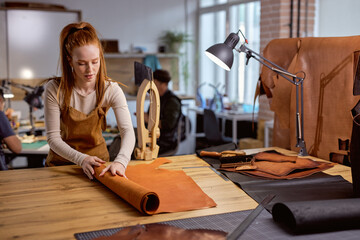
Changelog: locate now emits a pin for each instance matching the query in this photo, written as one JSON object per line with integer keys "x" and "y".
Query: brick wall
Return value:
{"x": 275, "y": 19}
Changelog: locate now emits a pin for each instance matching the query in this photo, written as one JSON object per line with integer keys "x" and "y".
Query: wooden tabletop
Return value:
{"x": 56, "y": 202}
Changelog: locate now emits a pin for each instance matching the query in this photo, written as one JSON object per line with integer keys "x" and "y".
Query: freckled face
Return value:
{"x": 86, "y": 63}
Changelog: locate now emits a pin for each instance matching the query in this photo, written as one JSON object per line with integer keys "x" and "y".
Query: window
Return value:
{"x": 215, "y": 23}
{"x": 209, "y": 3}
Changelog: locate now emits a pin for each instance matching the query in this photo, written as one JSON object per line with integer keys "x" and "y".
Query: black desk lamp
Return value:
{"x": 33, "y": 99}
{"x": 222, "y": 55}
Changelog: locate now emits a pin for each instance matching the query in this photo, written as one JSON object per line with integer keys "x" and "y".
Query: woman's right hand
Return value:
{"x": 88, "y": 163}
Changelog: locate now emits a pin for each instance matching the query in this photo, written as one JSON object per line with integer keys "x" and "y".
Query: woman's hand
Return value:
{"x": 114, "y": 168}
{"x": 88, "y": 163}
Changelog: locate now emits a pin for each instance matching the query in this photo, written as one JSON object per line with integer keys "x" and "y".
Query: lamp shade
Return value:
{"x": 222, "y": 53}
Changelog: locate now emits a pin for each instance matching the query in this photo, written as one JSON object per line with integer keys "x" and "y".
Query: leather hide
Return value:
{"x": 330, "y": 65}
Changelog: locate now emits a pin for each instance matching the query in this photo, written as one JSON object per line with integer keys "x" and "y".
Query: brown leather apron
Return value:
{"x": 83, "y": 133}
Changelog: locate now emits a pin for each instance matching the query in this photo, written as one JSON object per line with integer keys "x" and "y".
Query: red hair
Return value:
{"x": 77, "y": 35}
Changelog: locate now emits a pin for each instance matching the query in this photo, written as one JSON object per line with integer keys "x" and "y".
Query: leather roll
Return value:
{"x": 141, "y": 198}
{"x": 318, "y": 216}
{"x": 148, "y": 185}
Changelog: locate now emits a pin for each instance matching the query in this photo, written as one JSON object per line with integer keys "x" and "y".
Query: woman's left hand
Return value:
{"x": 114, "y": 168}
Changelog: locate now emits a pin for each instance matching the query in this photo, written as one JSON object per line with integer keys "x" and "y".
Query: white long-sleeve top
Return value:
{"x": 114, "y": 97}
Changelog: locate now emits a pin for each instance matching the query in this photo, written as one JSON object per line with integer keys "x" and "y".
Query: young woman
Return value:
{"x": 77, "y": 102}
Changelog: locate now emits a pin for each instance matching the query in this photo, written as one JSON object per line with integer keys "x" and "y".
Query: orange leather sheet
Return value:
{"x": 176, "y": 191}
{"x": 278, "y": 166}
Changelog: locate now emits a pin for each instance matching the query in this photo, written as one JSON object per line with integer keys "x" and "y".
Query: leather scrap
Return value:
{"x": 226, "y": 153}
{"x": 275, "y": 157}
{"x": 276, "y": 166}
{"x": 164, "y": 231}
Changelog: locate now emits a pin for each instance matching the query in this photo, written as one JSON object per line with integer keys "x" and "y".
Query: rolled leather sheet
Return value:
{"x": 176, "y": 190}
{"x": 171, "y": 190}
{"x": 318, "y": 216}
{"x": 141, "y": 198}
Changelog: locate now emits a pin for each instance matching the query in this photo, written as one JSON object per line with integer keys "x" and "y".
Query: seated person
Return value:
{"x": 7, "y": 135}
{"x": 170, "y": 112}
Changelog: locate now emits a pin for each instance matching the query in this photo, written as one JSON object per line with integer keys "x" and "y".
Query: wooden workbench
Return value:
{"x": 55, "y": 203}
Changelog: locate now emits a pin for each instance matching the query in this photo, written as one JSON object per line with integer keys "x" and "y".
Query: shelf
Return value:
{"x": 140, "y": 55}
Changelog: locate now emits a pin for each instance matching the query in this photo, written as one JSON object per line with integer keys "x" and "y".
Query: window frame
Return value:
{"x": 213, "y": 9}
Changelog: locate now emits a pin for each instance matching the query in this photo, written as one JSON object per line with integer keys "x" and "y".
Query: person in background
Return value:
{"x": 77, "y": 102}
{"x": 7, "y": 135}
{"x": 170, "y": 112}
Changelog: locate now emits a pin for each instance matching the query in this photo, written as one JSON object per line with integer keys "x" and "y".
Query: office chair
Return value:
{"x": 212, "y": 130}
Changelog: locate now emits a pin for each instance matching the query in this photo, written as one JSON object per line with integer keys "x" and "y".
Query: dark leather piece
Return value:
{"x": 344, "y": 144}
{"x": 319, "y": 186}
{"x": 355, "y": 150}
{"x": 340, "y": 158}
{"x": 356, "y": 90}
{"x": 164, "y": 231}
{"x": 318, "y": 216}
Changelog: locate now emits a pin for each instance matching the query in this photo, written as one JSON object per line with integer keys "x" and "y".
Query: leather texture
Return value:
{"x": 164, "y": 231}
{"x": 171, "y": 186}
{"x": 330, "y": 65}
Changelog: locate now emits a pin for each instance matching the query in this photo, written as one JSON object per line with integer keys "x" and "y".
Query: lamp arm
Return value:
{"x": 269, "y": 64}
{"x": 297, "y": 81}
{"x": 4, "y": 88}
{"x": 26, "y": 88}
